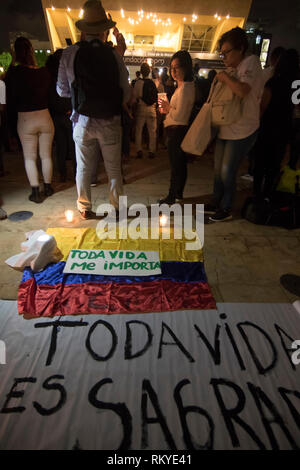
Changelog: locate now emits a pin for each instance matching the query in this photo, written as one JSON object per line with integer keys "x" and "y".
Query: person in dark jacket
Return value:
{"x": 60, "y": 110}
{"x": 276, "y": 124}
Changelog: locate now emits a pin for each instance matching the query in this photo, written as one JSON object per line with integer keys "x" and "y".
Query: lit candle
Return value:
{"x": 69, "y": 215}
{"x": 163, "y": 219}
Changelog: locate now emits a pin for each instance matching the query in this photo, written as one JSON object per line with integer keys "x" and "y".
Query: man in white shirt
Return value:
{"x": 146, "y": 113}
{"x": 90, "y": 131}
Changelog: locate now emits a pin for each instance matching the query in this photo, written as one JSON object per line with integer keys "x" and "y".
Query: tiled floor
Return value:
{"x": 243, "y": 261}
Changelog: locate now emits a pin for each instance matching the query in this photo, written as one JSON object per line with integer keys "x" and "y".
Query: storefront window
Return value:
{"x": 141, "y": 39}
{"x": 197, "y": 37}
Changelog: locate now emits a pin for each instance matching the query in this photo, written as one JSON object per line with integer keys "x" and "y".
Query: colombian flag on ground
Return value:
{"x": 182, "y": 285}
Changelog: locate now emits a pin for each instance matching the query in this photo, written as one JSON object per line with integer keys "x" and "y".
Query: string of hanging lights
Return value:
{"x": 150, "y": 16}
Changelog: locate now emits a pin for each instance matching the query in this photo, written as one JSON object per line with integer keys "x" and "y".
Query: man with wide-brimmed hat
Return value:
{"x": 91, "y": 130}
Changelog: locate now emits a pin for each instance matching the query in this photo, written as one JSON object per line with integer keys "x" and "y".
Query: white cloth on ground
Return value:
{"x": 38, "y": 250}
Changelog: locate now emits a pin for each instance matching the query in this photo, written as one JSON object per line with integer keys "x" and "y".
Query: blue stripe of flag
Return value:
{"x": 177, "y": 271}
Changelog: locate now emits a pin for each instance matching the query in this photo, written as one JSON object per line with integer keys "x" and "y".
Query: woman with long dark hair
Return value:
{"x": 276, "y": 124}
{"x": 178, "y": 112}
{"x": 27, "y": 92}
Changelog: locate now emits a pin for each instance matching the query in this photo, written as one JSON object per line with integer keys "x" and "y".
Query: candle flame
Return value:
{"x": 69, "y": 215}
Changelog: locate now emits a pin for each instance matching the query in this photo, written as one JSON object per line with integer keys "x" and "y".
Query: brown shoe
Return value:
{"x": 86, "y": 215}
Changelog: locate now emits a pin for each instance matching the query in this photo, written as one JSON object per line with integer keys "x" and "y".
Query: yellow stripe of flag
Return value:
{"x": 87, "y": 239}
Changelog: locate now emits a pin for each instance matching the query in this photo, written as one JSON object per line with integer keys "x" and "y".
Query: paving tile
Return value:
{"x": 241, "y": 292}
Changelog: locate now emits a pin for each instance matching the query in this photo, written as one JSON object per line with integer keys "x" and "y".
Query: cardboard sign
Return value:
{"x": 113, "y": 262}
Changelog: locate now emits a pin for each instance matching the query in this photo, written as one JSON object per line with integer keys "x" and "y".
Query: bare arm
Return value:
{"x": 240, "y": 89}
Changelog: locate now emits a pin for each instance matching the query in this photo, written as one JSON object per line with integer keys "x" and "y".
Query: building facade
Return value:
{"x": 154, "y": 29}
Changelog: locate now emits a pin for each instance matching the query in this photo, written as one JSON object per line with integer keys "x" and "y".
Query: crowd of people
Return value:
{"x": 92, "y": 115}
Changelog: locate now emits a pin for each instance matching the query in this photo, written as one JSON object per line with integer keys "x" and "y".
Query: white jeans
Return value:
{"x": 87, "y": 141}
{"x": 145, "y": 114}
{"x": 36, "y": 131}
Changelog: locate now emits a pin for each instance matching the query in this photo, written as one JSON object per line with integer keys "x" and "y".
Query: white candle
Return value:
{"x": 163, "y": 220}
{"x": 69, "y": 215}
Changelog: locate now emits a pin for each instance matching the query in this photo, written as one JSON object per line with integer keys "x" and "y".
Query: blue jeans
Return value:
{"x": 228, "y": 157}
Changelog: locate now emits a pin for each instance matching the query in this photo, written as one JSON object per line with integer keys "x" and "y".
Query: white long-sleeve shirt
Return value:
{"x": 181, "y": 105}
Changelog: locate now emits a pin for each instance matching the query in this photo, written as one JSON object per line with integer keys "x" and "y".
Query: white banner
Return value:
{"x": 218, "y": 379}
{"x": 113, "y": 262}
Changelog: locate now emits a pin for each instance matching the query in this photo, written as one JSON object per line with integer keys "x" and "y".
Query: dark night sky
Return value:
{"x": 21, "y": 15}
{"x": 282, "y": 16}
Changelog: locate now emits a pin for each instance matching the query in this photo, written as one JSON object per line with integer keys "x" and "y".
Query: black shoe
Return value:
{"x": 48, "y": 190}
{"x": 167, "y": 200}
{"x": 221, "y": 215}
{"x": 151, "y": 155}
{"x": 139, "y": 154}
{"x": 179, "y": 198}
{"x": 291, "y": 282}
{"x": 86, "y": 215}
{"x": 210, "y": 209}
{"x": 35, "y": 196}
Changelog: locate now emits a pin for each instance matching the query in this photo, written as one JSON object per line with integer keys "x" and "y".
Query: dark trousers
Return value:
{"x": 269, "y": 152}
{"x": 1, "y": 159}
{"x": 65, "y": 147}
{"x": 1, "y": 149}
{"x": 295, "y": 144}
{"x": 178, "y": 160}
